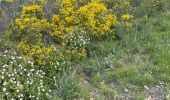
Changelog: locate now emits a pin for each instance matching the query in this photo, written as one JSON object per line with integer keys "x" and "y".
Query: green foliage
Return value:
{"x": 21, "y": 79}
{"x": 67, "y": 87}
{"x": 108, "y": 92}
{"x": 49, "y": 44}
{"x": 139, "y": 59}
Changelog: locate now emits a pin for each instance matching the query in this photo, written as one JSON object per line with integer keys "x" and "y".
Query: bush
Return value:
{"x": 40, "y": 39}
{"x": 21, "y": 79}
{"x": 77, "y": 41}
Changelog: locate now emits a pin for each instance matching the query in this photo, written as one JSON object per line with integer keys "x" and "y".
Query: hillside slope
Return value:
{"x": 135, "y": 68}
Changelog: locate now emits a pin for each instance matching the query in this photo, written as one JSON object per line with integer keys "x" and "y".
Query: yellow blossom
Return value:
{"x": 126, "y": 16}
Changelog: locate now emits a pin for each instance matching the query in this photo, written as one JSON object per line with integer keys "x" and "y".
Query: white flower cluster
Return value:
{"x": 21, "y": 79}
{"x": 78, "y": 39}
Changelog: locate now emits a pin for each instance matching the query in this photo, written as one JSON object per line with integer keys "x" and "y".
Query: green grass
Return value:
{"x": 140, "y": 59}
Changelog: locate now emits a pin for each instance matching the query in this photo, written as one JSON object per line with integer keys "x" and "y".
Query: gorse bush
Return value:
{"x": 39, "y": 38}
{"x": 34, "y": 33}
{"x": 31, "y": 30}
{"x": 93, "y": 19}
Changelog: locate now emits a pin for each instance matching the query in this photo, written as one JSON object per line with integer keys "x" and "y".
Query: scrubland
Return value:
{"x": 85, "y": 50}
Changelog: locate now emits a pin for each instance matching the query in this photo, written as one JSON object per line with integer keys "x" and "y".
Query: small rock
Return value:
{"x": 149, "y": 98}
{"x": 146, "y": 87}
{"x": 162, "y": 86}
{"x": 161, "y": 83}
{"x": 91, "y": 98}
{"x": 126, "y": 90}
{"x": 157, "y": 86}
{"x": 85, "y": 82}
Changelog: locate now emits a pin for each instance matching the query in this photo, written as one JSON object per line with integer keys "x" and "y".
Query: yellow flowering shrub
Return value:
{"x": 124, "y": 11}
{"x": 93, "y": 18}
{"x": 63, "y": 23}
{"x": 40, "y": 54}
{"x": 32, "y": 32}
{"x": 39, "y": 37}
{"x": 97, "y": 18}
{"x": 32, "y": 11}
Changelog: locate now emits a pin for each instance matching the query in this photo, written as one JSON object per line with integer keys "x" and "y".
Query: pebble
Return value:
{"x": 146, "y": 87}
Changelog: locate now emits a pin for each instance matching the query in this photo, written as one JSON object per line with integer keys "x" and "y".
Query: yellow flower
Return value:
{"x": 126, "y": 17}
{"x": 126, "y": 3}
{"x": 92, "y": 17}
{"x": 70, "y": 19}
{"x": 32, "y": 10}
{"x": 55, "y": 19}
{"x": 69, "y": 29}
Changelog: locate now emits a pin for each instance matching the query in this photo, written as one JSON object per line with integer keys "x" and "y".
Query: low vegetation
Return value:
{"x": 84, "y": 49}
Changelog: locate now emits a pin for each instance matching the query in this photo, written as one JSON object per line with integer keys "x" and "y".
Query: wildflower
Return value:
{"x": 29, "y": 62}
{"x": 20, "y": 73}
{"x": 32, "y": 70}
{"x": 4, "y": 89}
{"x": 28, "y": 74}
{"x": 17, "y": 90}
{"x": 2, "y": 77}
{"x": 3, "y": 70}
{"x": 43, "y": 90}
{"x": 4, "y": 66}
{"x": 19, "y": 57}
{"x": 19, "y": 65}
{"x": 55, "y": 19}
{"x": 37, "y": 98}
{"x": 22, "y": 95}
{"x": 126, "y": 17}
{"x": 6, "y": 93}
{"x": 32, "y": 65}
{"x": 58, "y": 63}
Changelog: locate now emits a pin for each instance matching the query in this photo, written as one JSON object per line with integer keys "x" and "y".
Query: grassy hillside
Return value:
{"x": 137, "y": 67}
{"x": 134, "y": 68}
{"x": 84, "y": 50}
